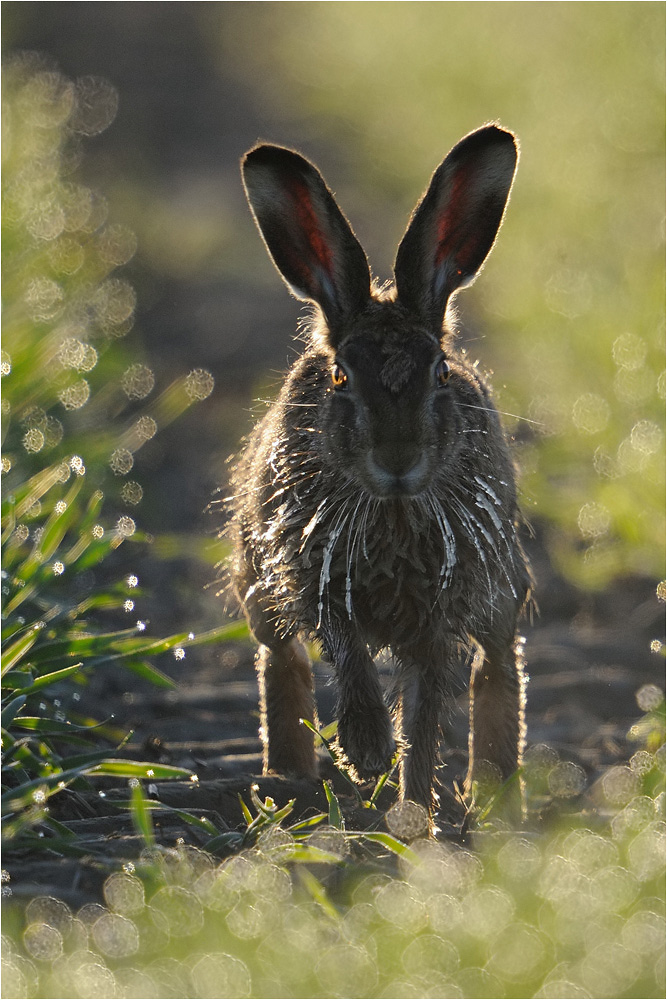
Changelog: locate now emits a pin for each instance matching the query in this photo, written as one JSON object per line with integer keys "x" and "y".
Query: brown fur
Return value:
{"x": 382, "y": 512}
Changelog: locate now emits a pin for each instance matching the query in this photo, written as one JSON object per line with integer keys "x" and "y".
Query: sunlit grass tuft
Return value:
{"x": 71, "y": 433}
{"x": 305, "y": 909}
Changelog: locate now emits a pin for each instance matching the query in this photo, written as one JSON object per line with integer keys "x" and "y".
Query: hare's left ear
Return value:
{"x": 454, "y": 227}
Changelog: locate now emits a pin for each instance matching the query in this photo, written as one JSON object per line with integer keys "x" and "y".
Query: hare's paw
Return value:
{"x": 366, "y": 741}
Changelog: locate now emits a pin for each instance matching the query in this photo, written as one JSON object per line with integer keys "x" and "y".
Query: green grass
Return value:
{"x": 569, "y": 311}
{"x": 570, "y": 907}
{"x": 288, "y": 906}
{"x": 75, "y": 415}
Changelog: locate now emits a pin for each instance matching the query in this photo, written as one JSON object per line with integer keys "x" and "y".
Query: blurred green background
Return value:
{"x": 569, "y": 312}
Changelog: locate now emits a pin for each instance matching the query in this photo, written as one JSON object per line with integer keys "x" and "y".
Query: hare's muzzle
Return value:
{"x": 400, "y": 471}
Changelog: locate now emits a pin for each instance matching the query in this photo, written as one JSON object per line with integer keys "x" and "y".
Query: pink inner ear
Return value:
{"x": 309, "y": 225}
{"x": 454, "y": 244}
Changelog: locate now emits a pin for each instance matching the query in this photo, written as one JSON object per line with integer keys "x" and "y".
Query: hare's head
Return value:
{"x": 396, "y": 398}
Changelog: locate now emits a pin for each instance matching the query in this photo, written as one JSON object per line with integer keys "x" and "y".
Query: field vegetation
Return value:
{"x": 308, "y": 906}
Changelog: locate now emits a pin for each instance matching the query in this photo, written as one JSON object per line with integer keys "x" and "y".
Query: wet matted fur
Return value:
{"x": 374, "y": 506}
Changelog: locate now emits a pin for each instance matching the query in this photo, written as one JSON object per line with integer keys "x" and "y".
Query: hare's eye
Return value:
{"x": 339, "y": 377}
{"x": 442, "y": 372}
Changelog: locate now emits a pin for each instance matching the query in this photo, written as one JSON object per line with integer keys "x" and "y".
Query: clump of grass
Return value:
{"x": 75, "y": 415}
{"x": 307, "y": 909}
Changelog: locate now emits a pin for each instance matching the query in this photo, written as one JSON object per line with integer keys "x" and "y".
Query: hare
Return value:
{"x": 374, "y": 505}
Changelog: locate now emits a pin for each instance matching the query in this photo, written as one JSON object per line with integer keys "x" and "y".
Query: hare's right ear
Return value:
{"x": 455, "y": 225}
{"x": 306, "y": 234}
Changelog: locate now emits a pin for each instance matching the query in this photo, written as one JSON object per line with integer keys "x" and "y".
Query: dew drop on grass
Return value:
{"x": 116, "y": 244}
{"x": 609, "y": 970}
{"x": 642, "y": 762}
{"x": 113, "y": 304}
{"x": 132, "y": 493}
{"x": 430, "y": 953}
{"x": 346, "y": 970}
{"x": 51, "y": 911}
{"x": 221, "y": 975}
{"x": 116, "y": 936}
{"x": 629, "y": 351}
{"x": 646, "y": 437}
{"x": 145, "y": 428}
{"x": 589, "y": 851}
{"x": 619, "y": 785}
{"x": 95, "y": 105}
{"x": 566, "y": 780}
{"x": 591, "y": 413}
{"x": 44, "y": 299}
{"x": 138, "y": 381}
{"x": 97, "y": 531}
{"x": 91, "y": 978}
{"x": 518, "y": 953}
{"x": 75, "y": 353}
{"x": 407, "y": 820}
{"x": 179, "y": 653}
{"x": 43, "y": 942}
{"x": 445, "y": 914}
{"x": 177, "y": 911}
{"x": 74, "y": 396}
{"x": 646, "y": 853}
{"x": 33, "y": 440}
{"x": 644, "y": 933}
{"x": 486, "y": 911}
{"x": 132, "y": 581}
{"x": 594, "y": 520}
{"x": 649, "y": 697}
{"x": 397, "y": 904}
{"x": 125, "y": 526}
{"x": 330, "y": 840}
{"x": 121, "y": 461}
{"x": 518, "y": 859}
{"x": 128, "y": 606}
{"x": 199, "y": 384}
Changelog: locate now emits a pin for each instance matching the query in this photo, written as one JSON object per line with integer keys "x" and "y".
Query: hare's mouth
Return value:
{"x": 397, "y": 475}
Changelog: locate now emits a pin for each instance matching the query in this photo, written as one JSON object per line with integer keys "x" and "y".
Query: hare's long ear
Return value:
{"x": 306, "y": 234}
{"x": 454, "y": 227}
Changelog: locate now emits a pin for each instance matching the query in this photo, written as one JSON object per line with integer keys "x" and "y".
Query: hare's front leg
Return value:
{"x": 365, "y": 730}
{"x": 425, "y": 673}
{"x": 497, "y": 717}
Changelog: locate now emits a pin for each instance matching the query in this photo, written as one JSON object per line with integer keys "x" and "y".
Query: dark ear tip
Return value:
{"x": 267, "y": 155}
{"x": 499, "y": 137}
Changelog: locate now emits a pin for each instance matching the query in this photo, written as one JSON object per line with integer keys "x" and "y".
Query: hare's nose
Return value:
{"x": 397, "y": 461}
{"x": 398, "y": 474}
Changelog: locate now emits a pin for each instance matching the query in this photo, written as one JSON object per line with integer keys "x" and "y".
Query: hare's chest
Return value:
{"x": 390, "y": 592}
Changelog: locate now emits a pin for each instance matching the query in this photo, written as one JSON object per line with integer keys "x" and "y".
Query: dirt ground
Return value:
{"x": 587, "y": 655}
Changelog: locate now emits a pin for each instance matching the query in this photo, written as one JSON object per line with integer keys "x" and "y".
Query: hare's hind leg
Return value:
{"x": 497, "y": 719}
{"x": 285, "y": 697}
